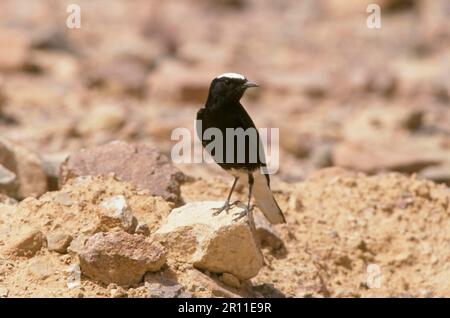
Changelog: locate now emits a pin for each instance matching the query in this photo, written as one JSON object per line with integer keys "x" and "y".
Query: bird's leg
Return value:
{"x": 248, "y": 208}
{"x": 227, "y": 204}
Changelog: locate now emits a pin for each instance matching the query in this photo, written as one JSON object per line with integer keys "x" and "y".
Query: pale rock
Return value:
{"x": 156, "y": 290}
{"x": 73, "y": 276}
{"x": 77, "y": 245}
{"x": 218, "y": 244}
{"x": 114, "y": 212}
{"x": 58, "y": 242}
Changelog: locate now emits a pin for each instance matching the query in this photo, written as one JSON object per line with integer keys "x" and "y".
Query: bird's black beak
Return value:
{"x": 249, "y": 84}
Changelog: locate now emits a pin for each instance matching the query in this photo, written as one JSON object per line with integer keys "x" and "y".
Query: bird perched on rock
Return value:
{"x": 222, "y": 112}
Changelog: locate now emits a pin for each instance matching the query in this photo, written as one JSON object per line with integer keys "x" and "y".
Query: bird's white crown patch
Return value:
{"x": 232, "y": 75}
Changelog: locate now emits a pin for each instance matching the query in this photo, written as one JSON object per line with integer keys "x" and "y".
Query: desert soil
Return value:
{"x": 364, "y": 118}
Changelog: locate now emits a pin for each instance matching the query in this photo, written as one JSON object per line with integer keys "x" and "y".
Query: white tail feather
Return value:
{"x": 265, "y": 200}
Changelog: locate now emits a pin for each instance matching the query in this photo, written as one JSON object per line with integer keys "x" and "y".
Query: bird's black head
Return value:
{"x": 228, "y": 87}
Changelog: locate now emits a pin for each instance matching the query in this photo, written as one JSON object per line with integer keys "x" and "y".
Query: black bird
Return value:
{"x": 223, "y": 110}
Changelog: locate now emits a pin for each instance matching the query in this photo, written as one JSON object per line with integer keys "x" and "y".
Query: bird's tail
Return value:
{"x": 265, "y": 200}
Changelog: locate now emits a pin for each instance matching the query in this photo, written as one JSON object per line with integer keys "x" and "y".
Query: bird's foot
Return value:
{"x": 240, "y": 215}
{"x": 227, "y": 205}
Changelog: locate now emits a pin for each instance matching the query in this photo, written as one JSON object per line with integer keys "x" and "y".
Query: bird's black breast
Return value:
{"x": 231, "y": 116}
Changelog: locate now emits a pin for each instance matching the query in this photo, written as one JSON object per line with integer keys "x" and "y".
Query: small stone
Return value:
{"x": 58, "y": 242}
{"x": 230, "y": 280}
{"x": 115, "y": 213}
{"x": 73, "y": 276}
{"x": 77, "y": 245}
{"x": 156, "y": 290}
{"x": 28, "y": 244}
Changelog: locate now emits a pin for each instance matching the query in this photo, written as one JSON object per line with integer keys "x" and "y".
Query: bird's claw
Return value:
{"x": 240, "y": 215}
{"x": 225, "y": 207}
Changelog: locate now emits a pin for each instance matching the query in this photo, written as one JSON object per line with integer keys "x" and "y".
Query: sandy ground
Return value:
{"x": 373, "y": 101}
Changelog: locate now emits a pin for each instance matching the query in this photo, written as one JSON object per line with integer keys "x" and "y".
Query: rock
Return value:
{"x": 266, "y": 233}
{"x": 140, "y": 164}
{"x": 8, "y": 182}
{"x": 164, "y": 285}
{"x": 156, "y": 290}
{"x": 16, "y": 49}
{"x": 27, "y": 166}
{"x": 114, "y": 212}
{"x": 28, "y": 244}
{"x": 78, "y": 244}
{"x": 218, "y": 244}
{"x": 120, "y": 258}
{"x": 58, "y": 242}
{"x": 230, "y": 280}
{"x": 73, "y": 276}
{"x": 369, "y": 158}
{"x": 210, "y": 287}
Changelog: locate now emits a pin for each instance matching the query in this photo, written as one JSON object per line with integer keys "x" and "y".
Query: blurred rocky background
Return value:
{"x": 88, "y": 113}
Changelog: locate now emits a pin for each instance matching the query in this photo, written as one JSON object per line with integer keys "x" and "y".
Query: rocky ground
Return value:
{"x": 92, "y": 206}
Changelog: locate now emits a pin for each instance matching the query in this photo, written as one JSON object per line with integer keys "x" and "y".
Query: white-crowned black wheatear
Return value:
{"x": 223, "y": 110}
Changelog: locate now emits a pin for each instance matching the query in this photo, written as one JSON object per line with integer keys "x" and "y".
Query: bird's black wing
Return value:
{"x": 247, "y": 122}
